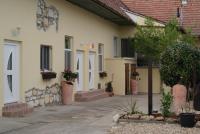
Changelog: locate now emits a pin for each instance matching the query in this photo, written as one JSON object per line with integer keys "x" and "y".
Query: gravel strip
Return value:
{"x": 153, "y": 128}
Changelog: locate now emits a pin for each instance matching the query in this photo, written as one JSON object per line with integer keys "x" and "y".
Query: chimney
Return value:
{"x": 178, "y": 12}
{"x": 184, "y": 2}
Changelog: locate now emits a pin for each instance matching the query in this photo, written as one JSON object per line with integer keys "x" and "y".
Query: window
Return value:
{"x": 117, "y": 47}
{"x": 127, "y": 47}
{"x": 45, "y": 57}
{"x": 68, "y": 52}
{"x": 100, "y": 57}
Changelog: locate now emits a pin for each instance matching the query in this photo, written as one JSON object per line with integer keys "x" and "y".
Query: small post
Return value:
{"x": 150, "y": 94}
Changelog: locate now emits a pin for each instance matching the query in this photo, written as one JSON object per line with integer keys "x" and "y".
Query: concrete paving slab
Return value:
{"x": 7, "y": 125}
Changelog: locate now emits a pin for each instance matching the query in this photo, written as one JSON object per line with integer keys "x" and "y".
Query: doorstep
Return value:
{"x": 16, "y": 110}
{"x": 84, "y": 96}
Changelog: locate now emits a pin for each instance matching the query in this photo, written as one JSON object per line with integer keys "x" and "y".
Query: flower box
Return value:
{"x": 48, "y": 75}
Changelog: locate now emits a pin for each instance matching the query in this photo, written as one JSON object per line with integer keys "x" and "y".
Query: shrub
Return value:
{"x": 70, "y": 76}
{"x": 166, "y": 102}
{"x": 179, "y": 63}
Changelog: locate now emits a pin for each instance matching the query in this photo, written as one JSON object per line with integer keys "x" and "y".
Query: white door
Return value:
{"x": 79, "y": 68}
{"x": 91, "y": 70}
{"x": 11, "y": 73}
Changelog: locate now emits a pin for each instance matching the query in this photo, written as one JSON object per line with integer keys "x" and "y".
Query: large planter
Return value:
{"x": 179, "y": 97}
{"x": 187, "y": 119}
{"x": 67, "y": 93}
{"x": 134, "y": 86}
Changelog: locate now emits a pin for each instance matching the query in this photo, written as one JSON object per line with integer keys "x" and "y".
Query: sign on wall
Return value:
{"x": 46, "y": 16}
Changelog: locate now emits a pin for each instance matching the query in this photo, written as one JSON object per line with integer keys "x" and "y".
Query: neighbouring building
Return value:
{"x": 185, "y": 11}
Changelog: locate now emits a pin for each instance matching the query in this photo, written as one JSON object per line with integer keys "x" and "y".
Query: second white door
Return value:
{"x": 79, "y": 68}
{"x": 91, "y": 70}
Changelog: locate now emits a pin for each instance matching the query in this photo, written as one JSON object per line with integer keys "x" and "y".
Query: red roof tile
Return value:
{"x": 115, "y": 5}
{"x": 164, "y": 10}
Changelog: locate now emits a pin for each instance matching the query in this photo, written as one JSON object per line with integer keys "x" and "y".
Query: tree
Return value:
{"x": 151, "y": 41}
{"x": 180, "y": 63}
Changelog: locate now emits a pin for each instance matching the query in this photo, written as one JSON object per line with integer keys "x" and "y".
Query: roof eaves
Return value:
{"x": 145, "y": 16}
{"x": 114, "y": 11}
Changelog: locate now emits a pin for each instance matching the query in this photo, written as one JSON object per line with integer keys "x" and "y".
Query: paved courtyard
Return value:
{"x": 80, "y": 118}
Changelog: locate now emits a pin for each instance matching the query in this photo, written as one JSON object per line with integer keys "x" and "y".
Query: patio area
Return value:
{"x": 93, "y": 117}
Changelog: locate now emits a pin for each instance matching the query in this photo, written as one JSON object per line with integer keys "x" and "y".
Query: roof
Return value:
{"x": 115, "y": 5}
{"x": 191, "y": 16}
{"x": 164, "y": 10}
{"x": 108, "y": 9}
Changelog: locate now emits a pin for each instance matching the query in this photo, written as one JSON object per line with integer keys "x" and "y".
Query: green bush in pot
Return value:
{"x": 70, "y": 76}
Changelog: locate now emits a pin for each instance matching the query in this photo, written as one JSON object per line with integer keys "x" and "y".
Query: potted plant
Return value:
{"x": 67, "y": 86}
{"x": 179, "y": 64}
{"x": 134, "y": 83}
{"x": 109, "y": 89}
{"x": 187, "y": 118}
{"x": 102, "y": 74}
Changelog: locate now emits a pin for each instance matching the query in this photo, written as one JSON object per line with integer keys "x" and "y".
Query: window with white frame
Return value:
{"x": 101, "y": 57}
{"x": 45, "y": 57}
{"x": 117, "y": 47}
{"x": 68, "y": 52}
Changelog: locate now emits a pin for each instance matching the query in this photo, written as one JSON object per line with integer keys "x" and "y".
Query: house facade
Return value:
{"x": 40, "y": 36}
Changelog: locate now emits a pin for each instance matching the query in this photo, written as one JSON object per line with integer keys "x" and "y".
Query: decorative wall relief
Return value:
{"x": 44, "y": 97}
{"x": 46, "y": 16}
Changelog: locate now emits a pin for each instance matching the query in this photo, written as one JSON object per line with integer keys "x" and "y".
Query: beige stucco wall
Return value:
{"x": 85, "y": 28}
{"x": 127, "y": 31}
{"x": 143, "y": 82}
{"x": 116, "y": 72}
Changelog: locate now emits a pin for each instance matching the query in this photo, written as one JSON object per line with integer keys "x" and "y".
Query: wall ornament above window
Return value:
{"x": 46, "y": 16}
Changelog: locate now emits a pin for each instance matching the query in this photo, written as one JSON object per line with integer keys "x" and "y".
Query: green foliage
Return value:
{"x": 166, "y": 102}
{"x": 69, "y": 75}
{"x": 151, "y": 41}
{"x": 178, "y": 63}
{"x": 131, "y": 107}
{"x": 147, "y": 39}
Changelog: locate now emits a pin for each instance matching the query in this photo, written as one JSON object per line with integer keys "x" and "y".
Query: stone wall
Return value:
{"x": 51, "y": 95}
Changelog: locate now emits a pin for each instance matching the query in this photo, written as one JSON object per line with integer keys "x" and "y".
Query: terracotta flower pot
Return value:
{"x": 67, "y": 92}
{"x": 134, "y": 86}
{"x": 179, "y": 97}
